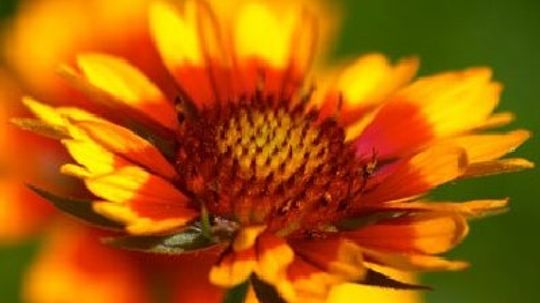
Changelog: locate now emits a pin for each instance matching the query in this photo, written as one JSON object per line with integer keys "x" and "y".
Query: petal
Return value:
{"x": 44, "y": 112}
{"x": 144, "y": 202}
{"x": 178, "y": 40}
{"x": 276, "y": 27}
{"x": 127, "y": 144}
{"x": 60, "y": 118}
{"x": 234, "y": 267}
{"x": 246, "y": 237}
{"x": 414, "y": 176}
{"x": 176, "y": 36}
{"x": 414, "y": 262}
{"x": 487, "y": 168}
{"x": 132, "y": 182}
{"x": 145, "y": 218}
{"x": 367, "y": 83}
{"x": 469, "y": 209}
{"x": 127, "y": 84}
{"x": 74, "y": 264}
{"x": 273, "y": 257}
{"x": 489, "y": 147}
{"x": 431, "y": 108}
{"x": 338, "y": 256}
{"x": 497, "y": 120}
{"x": 354, "y": 292}
{"x": 305, "y": 282}
{"x": 276, "y": 63}
{"x": 419, "y": 234}
{"x": 94, "y": 158}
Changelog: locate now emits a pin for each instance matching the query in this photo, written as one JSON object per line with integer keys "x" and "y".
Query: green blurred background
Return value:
{"x": 504, "y": 250}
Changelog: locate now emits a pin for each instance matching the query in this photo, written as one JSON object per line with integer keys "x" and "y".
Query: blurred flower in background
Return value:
{"x": 72, "y": 265}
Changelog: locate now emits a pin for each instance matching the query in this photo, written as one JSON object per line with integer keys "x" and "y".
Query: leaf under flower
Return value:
{"x": 189, "y": 240}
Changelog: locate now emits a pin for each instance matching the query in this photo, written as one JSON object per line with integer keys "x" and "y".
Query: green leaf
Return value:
{"x": 81, "y": 209}
{"x": 188, "y": 240}
{"x": 237, "y": 294}
{"x": 375, "y": 278}
{"x": 265, "y": 292}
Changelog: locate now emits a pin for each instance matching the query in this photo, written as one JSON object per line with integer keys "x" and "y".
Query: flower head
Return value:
{"x": 301, "y": 190}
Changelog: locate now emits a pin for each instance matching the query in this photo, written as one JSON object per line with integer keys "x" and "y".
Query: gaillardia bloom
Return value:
{"x": 299, "y": 189}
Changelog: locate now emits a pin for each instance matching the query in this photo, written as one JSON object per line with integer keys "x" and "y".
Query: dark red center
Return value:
{"x": 269, "y": 162}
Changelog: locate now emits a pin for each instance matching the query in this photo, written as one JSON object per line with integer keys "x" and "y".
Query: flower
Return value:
{"x": 299, "y": 190}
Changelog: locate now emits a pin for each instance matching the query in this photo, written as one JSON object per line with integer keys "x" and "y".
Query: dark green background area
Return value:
{"x": 503, "y": 34}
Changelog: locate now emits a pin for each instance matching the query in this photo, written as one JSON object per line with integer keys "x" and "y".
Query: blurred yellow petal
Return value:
{"x": 176, "y": 36}
{"x": 123, "y": 81}
{"x": 276, "y": 28}
{"x": 78, "y": 25}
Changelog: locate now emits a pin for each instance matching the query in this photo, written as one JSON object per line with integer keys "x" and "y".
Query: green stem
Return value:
{"x": 206, "y": 228}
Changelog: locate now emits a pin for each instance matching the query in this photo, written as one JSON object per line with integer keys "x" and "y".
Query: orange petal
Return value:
{"x": 187, "y": 42}
{"x": 127, "y": 144}
{"x": 497, "y": 120}
{"x": 418, "y": 234}
{"x": 276, "y": 26}
{"x": 273, "y": 257}
{"x": 470, "y": 209}
{"x": 338, "y": 256}
{"x": 74, "y": 264}
{"x": 486, "y": 168}
{"x": 489, "y": 147}
{"x": 144, "y": 202}
{"x": 414, "y": 262}
{"x": 428, "y": 169}
{"x": 246, "y": 237}
{"x": 278, "y": 62}
{"x": 434, "y": 107}
{"x": 94, "y": 158}
{"x": 367, "y": 83}
{"x": 127, "y": 84}
{"x": 234, "y": 267}
{"x": 353, "y": 292}
{"x": 305, "y": 282}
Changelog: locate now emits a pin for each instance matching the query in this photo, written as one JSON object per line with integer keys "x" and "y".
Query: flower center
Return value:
{"x": 266, "y": 162}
